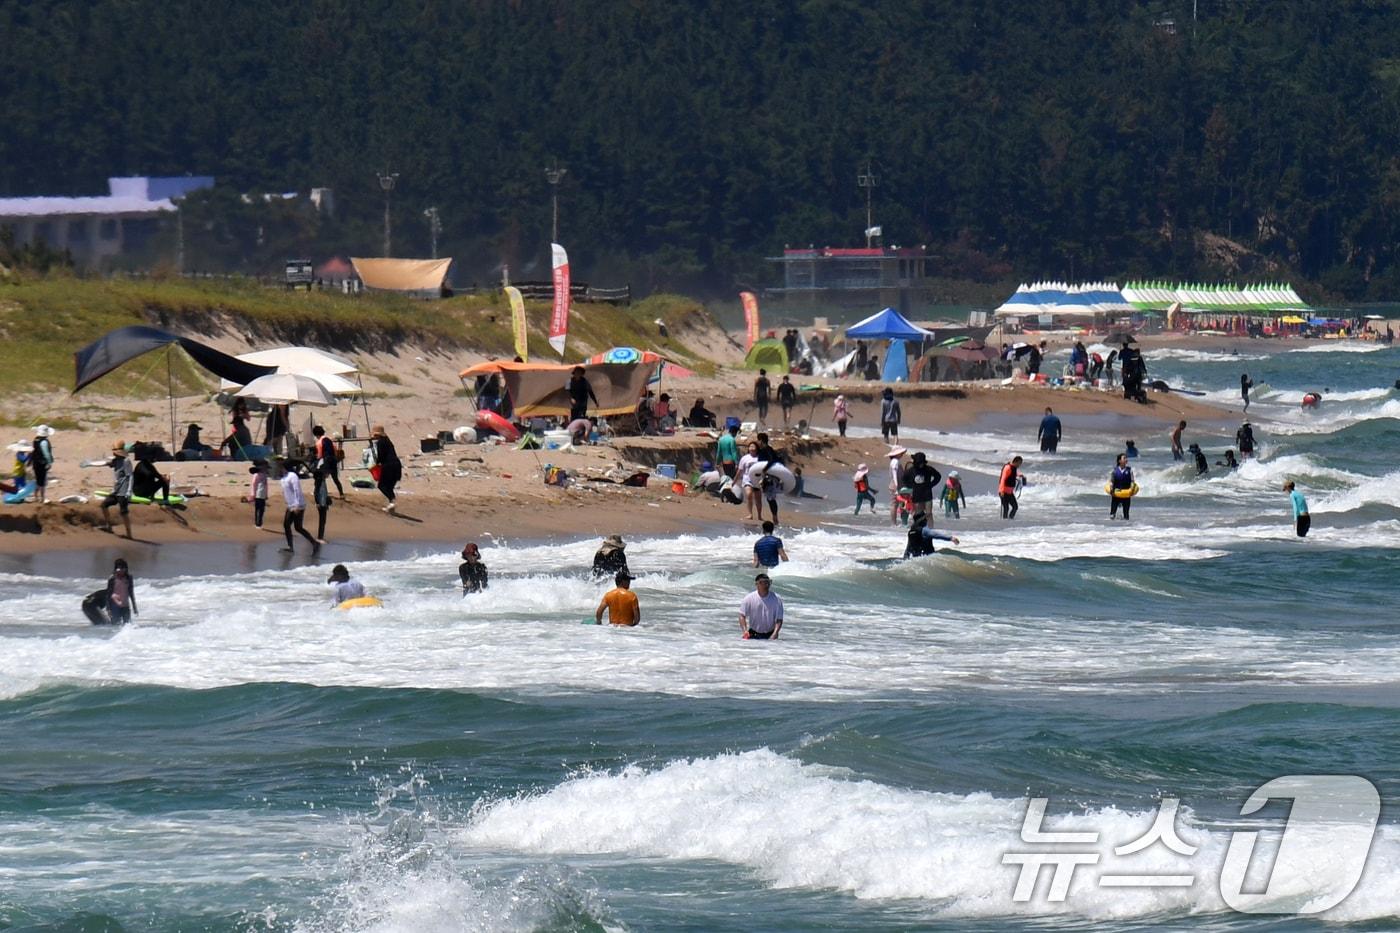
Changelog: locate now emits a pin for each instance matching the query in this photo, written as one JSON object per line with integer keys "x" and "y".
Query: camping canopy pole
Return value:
{"x": 364, "y": 402}
{"x": 170, "y": 388}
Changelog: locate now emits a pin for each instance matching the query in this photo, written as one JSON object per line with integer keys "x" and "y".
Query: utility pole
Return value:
{"x": 179, "y": 238}
{"x": 554, "y": 174}
{"x": 434, "y": 226}
{"x": 868, "y": 181}
{"x": 386, "y": 182}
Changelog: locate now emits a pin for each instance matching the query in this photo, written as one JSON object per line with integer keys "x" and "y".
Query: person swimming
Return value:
{"x": 1229, "y": 463}
{"x": 343, "y": 587}
{"x": 472, "y": 570}
{"x": 1202, "y": 467}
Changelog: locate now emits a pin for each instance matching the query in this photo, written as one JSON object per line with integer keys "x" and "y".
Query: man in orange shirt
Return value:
{"x": 1006, "y": 487}
{"x": 621, "y": 603}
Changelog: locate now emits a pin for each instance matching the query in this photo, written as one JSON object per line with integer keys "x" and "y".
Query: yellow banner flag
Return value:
{"x": 517, "y": 320}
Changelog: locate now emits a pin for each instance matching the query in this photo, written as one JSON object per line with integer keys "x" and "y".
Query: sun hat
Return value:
{"x": 896, "y": 452}
{"x": 862, "y": 470}
{"x": 953, "y": 474}
{"x": 614, "y": 541}
{"x": 43, "y": 430}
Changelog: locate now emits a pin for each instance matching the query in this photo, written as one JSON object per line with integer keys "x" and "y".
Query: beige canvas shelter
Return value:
{"x": 402, "y": 275}
{"x": 543, "y": 388}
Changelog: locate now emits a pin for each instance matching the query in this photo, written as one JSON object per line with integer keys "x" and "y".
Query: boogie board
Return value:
{"x": 95, "y": 608}
{"x": 360, "y": 602}
{"x": 1121, "y": 493}
{"x": 22, "y": 494}
{"x": 173, "y": 499}
{"x": 777, "y": 471}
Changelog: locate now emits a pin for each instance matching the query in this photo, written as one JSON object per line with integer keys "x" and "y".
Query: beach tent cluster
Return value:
{"x": 1040, "y": 298}
{"x": 1258, "y": 299}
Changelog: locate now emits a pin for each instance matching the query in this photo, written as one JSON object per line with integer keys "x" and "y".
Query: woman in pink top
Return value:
{"x": 839, "y": 414}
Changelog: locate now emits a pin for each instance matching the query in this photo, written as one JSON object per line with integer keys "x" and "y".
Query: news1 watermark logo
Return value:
{"x": 1332, "y": 815}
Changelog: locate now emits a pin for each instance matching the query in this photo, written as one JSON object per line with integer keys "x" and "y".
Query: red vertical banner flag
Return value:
{"x": 750, "y": 301}
{"x": 559, "y": 320}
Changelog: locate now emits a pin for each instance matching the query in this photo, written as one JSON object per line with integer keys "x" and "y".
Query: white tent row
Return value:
{"x": 1040, "y": 298}
{"x": 1160, "y": 295}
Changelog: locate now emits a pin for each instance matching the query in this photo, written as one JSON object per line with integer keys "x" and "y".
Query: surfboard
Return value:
{"x": 173, "y": 499}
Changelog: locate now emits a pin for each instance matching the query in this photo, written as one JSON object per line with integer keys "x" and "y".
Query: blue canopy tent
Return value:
{"x": 890, "y": 325}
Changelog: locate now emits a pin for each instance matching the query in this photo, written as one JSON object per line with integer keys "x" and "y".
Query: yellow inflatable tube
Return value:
{"x": 360, "y": 602}
{"x": 1121, "y": 493}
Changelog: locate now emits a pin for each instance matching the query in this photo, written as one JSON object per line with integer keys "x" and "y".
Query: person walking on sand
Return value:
{"x": 620, "y": 603}
{"x": 1177, "y": 452}
{"x": 1120, "y": 479}
{"x": 840, "y": 414}
{"x": 761, "y": 612}
{"x": 120, "y": 496}
{"x": 325, "y": 460}
{"x": 1049, "y": 433}
{"x": 861, "y": 480}
{"x": 580, "y": 394}
{"x": 258, "y": 492}
{"x": 472, "y": 570}
{"x": 1006, "y": 487}
{"x": 296, "y": 507}
{"x": 390, "y": 467}
{"x": 1302, "y": 521}
{"x": 727, "y": 451}
{"x": 890, "y": 416}
{"x": 768, "y": 550}
{"x": 1246, "y": 384}
{"x": 761, "y": 392}
{"x": 41, "y": 461}
{"x": 787, "y": 398}
{"x": 611, "y": 558}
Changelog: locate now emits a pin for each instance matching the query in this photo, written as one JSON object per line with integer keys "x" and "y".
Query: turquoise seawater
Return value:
{"x": 243, "y": 758}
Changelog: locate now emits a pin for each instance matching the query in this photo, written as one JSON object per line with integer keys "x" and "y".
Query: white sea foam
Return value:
{"x": 1186, "y": 355}
{"x": 796, "y": 825}
{"x": 1342, "y": 346}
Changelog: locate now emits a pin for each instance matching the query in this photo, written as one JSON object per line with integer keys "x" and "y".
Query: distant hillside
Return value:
{"x": 1072, "y": 139}
{"x": 43, "y": 321}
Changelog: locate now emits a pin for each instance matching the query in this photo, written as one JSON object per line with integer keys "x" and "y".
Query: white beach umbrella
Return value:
{"x": 287, "y": 389}
{"x": 306, "y": 360}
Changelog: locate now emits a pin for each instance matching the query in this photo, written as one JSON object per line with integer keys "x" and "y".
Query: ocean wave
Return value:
{"x": 797, "y": 825}
{"x": 1342, "y": 346}
{"x": 1185, "y": 355}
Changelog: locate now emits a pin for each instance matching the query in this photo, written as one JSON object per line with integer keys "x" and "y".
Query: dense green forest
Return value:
{"x": 1018, "y": 138}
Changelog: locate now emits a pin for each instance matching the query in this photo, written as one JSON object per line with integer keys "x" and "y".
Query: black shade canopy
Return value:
{"x": 105, "y": 354}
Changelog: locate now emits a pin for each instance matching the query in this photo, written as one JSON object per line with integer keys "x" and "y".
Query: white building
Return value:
{"x": 95, "y": 229}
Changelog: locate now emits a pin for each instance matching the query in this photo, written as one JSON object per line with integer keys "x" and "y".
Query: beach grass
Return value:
{"x": 44, "y": 320}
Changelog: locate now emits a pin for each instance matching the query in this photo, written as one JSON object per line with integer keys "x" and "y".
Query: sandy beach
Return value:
{"x": 465, "y": 491}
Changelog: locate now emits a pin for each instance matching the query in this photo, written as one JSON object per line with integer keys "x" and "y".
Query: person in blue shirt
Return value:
{"x": 768, "y": 550}
{"x": 1131, "y": 452}
{"x": 1049, "y": 433}
{"x": 1302, "y": 521}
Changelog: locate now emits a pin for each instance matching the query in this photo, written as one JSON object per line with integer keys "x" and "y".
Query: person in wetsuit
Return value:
{"x": 921, "y": 537}
{"x": 472, "y": 570}
{"x": 611, "y": 558}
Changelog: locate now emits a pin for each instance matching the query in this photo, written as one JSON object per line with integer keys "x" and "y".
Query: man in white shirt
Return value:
{"x": 761, "y": 612}
{"x": 296, "y": 507}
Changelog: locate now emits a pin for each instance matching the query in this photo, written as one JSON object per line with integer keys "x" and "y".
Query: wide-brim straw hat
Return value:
{"x": 614, "y": 541}
{"x": 896, "y": 452}
{"x": 43, "y": 430}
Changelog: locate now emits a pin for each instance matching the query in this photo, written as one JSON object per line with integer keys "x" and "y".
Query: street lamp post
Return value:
{"x": 386, "y": 182}
{"x": 868, "y": 181}
{"x": 434, "y": 226}
{"x": 554, "y": 174}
